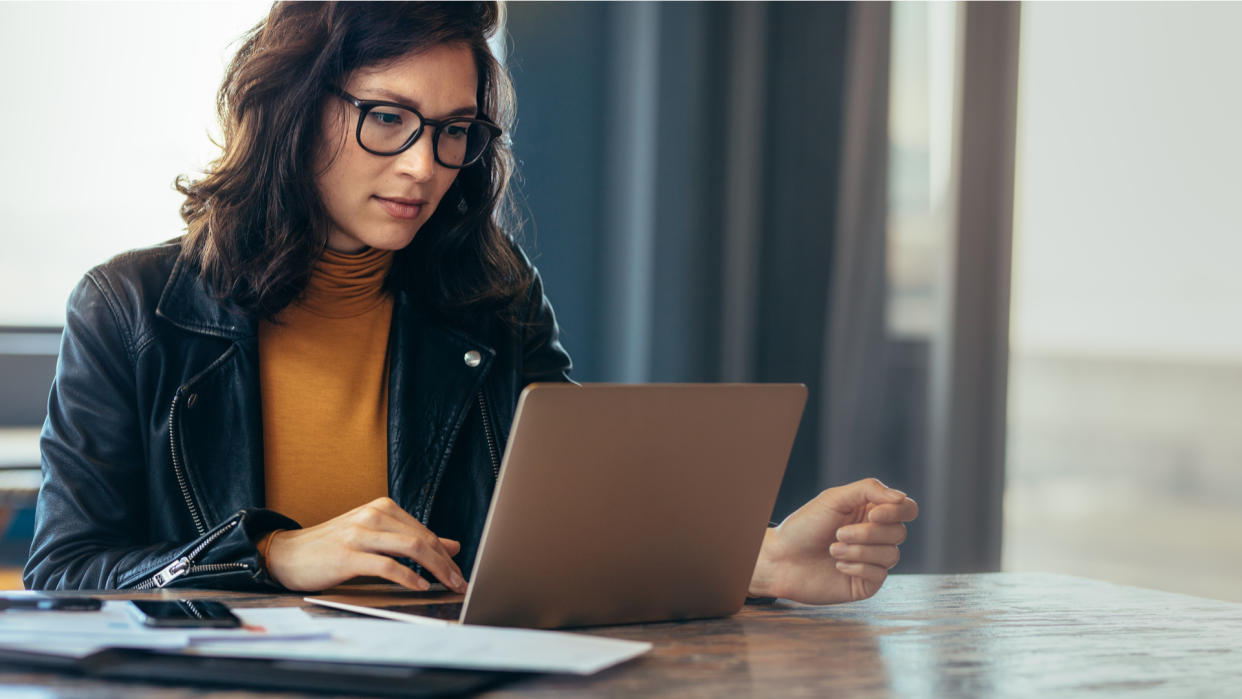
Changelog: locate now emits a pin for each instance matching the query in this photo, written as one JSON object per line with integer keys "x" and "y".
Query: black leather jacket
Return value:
{"x": 153, "y": 449}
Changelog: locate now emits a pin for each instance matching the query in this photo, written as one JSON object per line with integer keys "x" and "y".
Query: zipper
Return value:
{"x": 177, "y": 467}
{"x": 181, "y": 567}
{"x": 184, "y": 565}
{"x": 491, "y": 452}
{"x": 491, "y": 439}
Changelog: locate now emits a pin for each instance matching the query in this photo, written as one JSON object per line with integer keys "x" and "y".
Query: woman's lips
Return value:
{"x": 400, "y": 209}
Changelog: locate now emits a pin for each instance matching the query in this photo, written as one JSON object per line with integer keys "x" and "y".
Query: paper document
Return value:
{"x": 450, "y": 646}
{"x": 76, "y": 634}
{"x": 290, "y": 633}
{"x": 68, "y": 647}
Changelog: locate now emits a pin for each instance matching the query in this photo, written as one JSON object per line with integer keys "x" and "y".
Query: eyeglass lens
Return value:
{"x": 458, "y": 142}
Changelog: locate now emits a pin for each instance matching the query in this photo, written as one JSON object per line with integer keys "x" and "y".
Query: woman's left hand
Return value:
{"x": 836, "y": 548}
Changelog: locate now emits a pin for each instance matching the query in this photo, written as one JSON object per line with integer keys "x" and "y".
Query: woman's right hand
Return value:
{"x": 364, "y": 541}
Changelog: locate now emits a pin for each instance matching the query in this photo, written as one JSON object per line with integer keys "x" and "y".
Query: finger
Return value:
{"x": 905, "y": 511}
{"x": 424, "y": 550}
{"x": 866, "y": 571}
{"x": 871, "y": 533}
{"x": 444, "y": 548}
{"x": 387, "y": 516}
{"x": 388, "y": 569}
{"x": 847, "y": 498}
{"x": 880, "y": 555}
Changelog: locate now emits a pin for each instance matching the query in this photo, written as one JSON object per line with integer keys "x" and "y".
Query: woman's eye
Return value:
{"x": 386, "y": 118}
{"x": 456, "y": 130}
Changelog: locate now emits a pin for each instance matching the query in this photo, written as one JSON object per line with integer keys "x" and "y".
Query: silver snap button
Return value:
{"x": 473, "y": 358}
{"x": 189, "y": 403}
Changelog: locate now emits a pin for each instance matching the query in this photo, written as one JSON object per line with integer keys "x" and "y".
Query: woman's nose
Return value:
{"x": 419, "y": 160}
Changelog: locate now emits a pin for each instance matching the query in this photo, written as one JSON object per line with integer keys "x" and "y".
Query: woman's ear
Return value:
{"x": 332, "y": 135}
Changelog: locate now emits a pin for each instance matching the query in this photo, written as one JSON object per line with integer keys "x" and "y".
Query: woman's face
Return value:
{"x": 381, "y": 201}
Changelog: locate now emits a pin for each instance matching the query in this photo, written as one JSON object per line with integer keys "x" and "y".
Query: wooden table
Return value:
{"x": 1003, "y": 634}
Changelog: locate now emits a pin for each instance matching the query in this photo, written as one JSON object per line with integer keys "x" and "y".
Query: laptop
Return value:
{"x": 619, "y": 504}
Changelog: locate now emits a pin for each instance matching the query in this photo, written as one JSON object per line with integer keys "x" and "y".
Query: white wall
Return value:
{"x": 1126, "y": 373}
{"x": 104, "y": 104}
{"x": 1128, "y": 231}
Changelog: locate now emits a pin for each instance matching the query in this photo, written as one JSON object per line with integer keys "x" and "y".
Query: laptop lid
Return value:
{"x": 631, "y": 503}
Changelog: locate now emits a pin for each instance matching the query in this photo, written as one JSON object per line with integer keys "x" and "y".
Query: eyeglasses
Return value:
{"x": 389, "y": 128}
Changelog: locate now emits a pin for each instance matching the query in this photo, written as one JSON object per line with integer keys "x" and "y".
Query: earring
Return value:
{"x": 462, "y": 206}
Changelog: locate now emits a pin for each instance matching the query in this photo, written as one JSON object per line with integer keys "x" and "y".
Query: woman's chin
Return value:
{"x": 382, "y": 240}
{"x": 393, "y": 244}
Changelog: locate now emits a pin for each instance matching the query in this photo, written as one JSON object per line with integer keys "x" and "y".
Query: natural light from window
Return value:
{"x": 106, "y": 104}
{"x": 1125, "y": 455}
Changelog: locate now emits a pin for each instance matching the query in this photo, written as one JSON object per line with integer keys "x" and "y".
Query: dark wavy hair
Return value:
{"x": 255, "y": 221}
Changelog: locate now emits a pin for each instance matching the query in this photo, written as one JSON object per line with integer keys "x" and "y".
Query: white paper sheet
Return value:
{"x": 452, "y": 646}
{"x": 77, "y": 634}
{"x": 111, "y": 620}
{"x": 69, "y": 647}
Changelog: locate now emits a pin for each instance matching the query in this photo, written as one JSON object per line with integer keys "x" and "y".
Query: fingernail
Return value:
{"x": 457, "y": 582}
{"x": 896, "y": 492}
{"x": 841, "y": 565}
{"x": 843, "y": 534}
{"x": 423, "y": 584}
{"x": 837, "y": 549}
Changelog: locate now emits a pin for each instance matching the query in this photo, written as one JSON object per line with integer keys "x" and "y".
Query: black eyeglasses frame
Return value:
{"x": 365, "y": 106}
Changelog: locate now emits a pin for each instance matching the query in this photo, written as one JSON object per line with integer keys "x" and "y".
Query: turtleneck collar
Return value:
{"x": 346, "y": 285}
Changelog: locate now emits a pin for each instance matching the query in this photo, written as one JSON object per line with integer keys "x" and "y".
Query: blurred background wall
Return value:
{"x": 1125, "y": 448}
{"x": 826, "y": 193}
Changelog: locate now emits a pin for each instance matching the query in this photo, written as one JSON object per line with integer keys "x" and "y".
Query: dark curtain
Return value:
{"x": 705, "y": 189}
{"x": 682, "y": 173}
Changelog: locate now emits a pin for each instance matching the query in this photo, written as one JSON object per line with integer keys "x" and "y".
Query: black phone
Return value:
{"x": 184, "y": 613}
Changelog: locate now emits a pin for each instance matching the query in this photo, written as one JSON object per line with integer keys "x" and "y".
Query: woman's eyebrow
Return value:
{"x": 391, "y": 96}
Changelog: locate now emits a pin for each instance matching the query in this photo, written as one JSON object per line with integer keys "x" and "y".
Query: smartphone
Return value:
{"x": 184, "y": 613}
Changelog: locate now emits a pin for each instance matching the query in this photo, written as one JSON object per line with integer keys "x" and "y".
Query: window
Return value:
{"x": 921, "y": 135}
{"x": 1125, "y": 456}
{"x": 106, "y": 103}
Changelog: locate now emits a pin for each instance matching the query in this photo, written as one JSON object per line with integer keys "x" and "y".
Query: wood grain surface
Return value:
{"x": 1001, "y": 634}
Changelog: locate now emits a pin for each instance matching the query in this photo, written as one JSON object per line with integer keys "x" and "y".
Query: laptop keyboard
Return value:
{"x": 438, "y": 610}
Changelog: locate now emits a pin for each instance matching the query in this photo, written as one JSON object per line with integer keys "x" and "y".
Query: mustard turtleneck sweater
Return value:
{"x": 323, "y": 371}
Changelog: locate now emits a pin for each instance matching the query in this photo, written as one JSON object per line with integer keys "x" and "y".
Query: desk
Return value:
{"x": 1004, "y": 634}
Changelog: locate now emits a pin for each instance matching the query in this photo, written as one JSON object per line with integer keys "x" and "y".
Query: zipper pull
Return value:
{"x": 173, "y": 571}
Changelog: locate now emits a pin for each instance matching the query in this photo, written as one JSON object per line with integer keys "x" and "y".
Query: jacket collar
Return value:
{"x": 188, "y": 303}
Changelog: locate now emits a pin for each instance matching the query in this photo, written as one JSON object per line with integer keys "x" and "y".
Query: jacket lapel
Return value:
{"x": 433, "y": 378}
{"x": 215, "y": 417}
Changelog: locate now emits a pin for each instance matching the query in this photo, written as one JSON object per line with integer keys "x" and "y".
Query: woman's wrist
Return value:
{"x": 762, "y": 581}
{"x": 265, "y": 545}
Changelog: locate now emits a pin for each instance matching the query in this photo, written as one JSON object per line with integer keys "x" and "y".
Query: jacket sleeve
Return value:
{"x": 543, "y": 356}
{"x": 91, "y": 519}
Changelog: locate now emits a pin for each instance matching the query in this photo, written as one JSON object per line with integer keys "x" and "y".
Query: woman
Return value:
{"x": 314, "y": 382}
